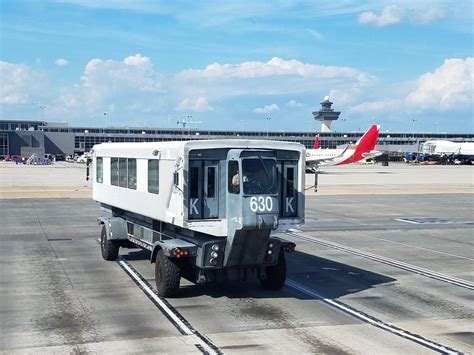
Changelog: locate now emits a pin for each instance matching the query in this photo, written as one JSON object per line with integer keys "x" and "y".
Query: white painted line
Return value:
{"x": 411, "y": 246}
{"x": 401, "y": 265}
{"x": 153, "y": 295}
{"x": 186, "y": 330}
{"x": 371, "y": 320}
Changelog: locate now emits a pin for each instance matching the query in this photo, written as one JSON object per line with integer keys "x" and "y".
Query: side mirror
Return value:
{"x": 88, "y": 164}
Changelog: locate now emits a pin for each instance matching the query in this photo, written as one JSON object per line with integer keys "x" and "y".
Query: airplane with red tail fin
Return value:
{"x": 363, "y": 149}
{"x": 316, "y": 142}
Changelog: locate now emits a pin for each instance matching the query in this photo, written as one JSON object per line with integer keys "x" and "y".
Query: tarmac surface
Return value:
{"x": 382, "y": 268}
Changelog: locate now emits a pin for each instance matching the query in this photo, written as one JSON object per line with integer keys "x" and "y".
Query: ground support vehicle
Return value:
{"x": 180, "y": 201}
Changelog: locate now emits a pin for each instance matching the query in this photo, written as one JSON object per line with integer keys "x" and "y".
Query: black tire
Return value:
{"x": 276, "y": 275}
{"x": 109, "y": 249}
{"x": 167, "y": 275}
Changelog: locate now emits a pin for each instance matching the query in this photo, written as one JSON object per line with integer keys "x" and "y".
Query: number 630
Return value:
{"x": 261, "y": 203}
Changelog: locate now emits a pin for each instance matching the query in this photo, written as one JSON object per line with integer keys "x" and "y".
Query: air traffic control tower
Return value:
{"x": 326, "y": 115}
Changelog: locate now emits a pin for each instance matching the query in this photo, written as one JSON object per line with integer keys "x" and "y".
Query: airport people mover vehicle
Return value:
{"x": 204, "y": 209}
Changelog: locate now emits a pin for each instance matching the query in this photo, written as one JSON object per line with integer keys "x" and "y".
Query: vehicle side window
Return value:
{"x": 290, "y": 181}
{"x": 132, "y": 174}
{"x": 211, "y": 181}
{"x": 114, "y": 171}
{"x": 99, "y": 173}
{"x": 153, "y": 176}
{"x": 233, "y": 177}
{"x": 194, "y": 179}
{"x": 122, "y": 172}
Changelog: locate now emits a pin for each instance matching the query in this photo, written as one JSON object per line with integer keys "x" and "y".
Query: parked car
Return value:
{"x": 82, "y": 159}
{"x": 18, "y": 159}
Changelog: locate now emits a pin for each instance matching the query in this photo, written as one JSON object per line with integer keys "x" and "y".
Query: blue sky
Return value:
{"x": 233, "y": 64}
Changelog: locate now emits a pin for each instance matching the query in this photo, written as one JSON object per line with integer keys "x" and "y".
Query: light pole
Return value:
{"x": 268, "y": 121}
{"x": 36, "y": 110}
{"x": 241, "y": 125}
{"x": 343, "y": 124}
{"x": 42, "y": 107}
{"x": 105, "y": 116}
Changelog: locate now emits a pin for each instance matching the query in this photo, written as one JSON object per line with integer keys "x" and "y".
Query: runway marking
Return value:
{"x": 429, "y": 220}
{"x": 204, "y": 344}
{"x": 412, "y": 246}
{"x": 395, "y": 263}
{"x": 372, "y": 320}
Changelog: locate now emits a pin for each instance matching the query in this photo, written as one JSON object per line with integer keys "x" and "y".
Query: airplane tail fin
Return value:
{"x": 316, "y": 142}
{"x": 369, "y": 140}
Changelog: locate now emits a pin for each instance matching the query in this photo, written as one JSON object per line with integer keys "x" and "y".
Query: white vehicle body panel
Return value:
{"x": 168, "y": 206}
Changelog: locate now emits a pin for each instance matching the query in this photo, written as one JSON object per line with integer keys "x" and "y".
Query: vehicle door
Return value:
{"x": 203, "y": 189}
{"x": 288, "y": 188}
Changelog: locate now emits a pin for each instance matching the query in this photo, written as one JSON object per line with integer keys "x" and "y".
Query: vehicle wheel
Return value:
{"x": 109, "y": 249}
{"x": 167, "y": 275}
{"x": 276, "y": 275}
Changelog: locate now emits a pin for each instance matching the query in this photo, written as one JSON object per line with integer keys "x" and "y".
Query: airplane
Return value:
{"x": 461, "y": 152}
{"x": 316, "y": 142}
{"x": 363, "y": 149}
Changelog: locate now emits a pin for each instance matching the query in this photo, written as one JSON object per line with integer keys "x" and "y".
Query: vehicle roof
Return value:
{"x": 176, "y": 148}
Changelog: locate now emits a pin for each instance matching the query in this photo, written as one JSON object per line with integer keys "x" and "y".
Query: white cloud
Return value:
{"x": 316, "y": 34}
{"x": 344, "y": 95}
{"x": 449, "y": 86}
{"x": 18, "y": 81}
{"x": 199, "y": 104}
{"x": 430, "y": 14}
{"x": 390, "y": 15}
{"x": 61, "y": 62}
{"x": 419, "y": 13}
{"x": 294, "y": 104}
{"x": 274, "y": 67}
{"x": 377, "y": 106}
{"x": 274, "y": 77}
{"x": 103, "y": 79}
{"x": 267, "y": 109}
{"x": 135, "y": 72}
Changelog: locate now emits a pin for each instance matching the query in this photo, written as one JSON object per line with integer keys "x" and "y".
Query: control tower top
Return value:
{"x": 326, "y": 115}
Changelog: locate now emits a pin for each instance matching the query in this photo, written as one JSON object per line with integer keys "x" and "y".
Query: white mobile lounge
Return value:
{"x": 205, "y": 209}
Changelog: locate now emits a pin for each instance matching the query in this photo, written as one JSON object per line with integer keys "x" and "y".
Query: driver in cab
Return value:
{"x": 236, "y": 181}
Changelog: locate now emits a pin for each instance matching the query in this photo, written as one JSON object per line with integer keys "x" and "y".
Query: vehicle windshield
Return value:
{"x": 259, "y": 176}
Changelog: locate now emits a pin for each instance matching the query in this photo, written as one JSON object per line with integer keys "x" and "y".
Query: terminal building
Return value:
{"x": 23, "y": 137}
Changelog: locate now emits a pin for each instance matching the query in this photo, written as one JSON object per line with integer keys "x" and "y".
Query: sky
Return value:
{"x": 239, "y": 65}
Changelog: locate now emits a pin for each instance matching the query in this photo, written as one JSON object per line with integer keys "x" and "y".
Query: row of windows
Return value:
{"x": 123, "y": 173}
{"x": 3, "y": 143}
{"x": 19, "y": 126}
{"x": 85, "y": 143}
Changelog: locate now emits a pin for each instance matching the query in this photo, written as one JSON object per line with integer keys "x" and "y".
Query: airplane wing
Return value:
{"x": 372, "y": 154}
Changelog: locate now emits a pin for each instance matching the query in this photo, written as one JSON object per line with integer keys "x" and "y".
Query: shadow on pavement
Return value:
{"x": 328, "y": 278}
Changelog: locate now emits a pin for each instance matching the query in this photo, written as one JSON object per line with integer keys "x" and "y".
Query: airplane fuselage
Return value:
{"x": 328, "y": 157}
